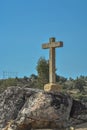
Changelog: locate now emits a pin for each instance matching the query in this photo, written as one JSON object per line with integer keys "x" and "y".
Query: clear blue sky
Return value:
{"x": 26, "y": 24}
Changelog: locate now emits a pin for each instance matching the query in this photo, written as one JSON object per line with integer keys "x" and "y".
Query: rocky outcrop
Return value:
{"x": 11, "y": 102}
{"x": 26, "y": 108}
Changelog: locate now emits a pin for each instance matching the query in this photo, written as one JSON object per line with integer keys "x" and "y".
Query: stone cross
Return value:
{"x": 52, "y": 45}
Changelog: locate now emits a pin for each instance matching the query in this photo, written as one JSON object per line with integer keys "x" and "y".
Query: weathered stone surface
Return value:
{"x": 26, "y": 108}
{"x": 78, "y": 113}
{"x": 11, "y": 102}
{"x": 52, "y": 87}
{"x": 48, "y": 110}
{"x": 82, "y": 126}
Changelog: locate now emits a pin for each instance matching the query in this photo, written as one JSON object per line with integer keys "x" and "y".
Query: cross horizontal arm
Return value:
{"x": 53, "y": 44}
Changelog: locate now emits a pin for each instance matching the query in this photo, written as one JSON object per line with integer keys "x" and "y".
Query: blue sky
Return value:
{"x": 26, "y": 24}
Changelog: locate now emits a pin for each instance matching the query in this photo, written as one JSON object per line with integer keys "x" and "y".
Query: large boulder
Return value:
{"x": 26, "y": 108}
{"x": 46, "y": 110}
{"x": 11, "y": 102}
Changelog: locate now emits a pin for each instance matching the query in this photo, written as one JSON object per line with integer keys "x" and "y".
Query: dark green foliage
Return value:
{"x": 60, "y": 79}
{"x": 43, "y": 71}
{"x": 79, "y": 84}
{"x": 7, "y": 82}
{"x": 33, "y": 77}
{"x": 25, "y": 78}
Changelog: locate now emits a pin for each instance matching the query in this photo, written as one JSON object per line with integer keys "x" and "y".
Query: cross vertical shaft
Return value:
{"x": 52, "y": 77}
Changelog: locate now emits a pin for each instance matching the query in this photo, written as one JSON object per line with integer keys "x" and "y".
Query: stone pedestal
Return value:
{"x": 52, "y": 87}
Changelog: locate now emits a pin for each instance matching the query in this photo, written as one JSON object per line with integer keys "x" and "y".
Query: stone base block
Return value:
{"x": 52, "y": 87}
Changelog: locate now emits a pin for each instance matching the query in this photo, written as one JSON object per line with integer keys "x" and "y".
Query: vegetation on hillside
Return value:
{"x": 77, "y": 88}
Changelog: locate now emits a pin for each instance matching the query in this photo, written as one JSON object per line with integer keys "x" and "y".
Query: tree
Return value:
{"x": 79, "y": 84}
{"x": 33, "y": 77}
{"x": 43, "y": 71}
{"x": 60, "y": 79}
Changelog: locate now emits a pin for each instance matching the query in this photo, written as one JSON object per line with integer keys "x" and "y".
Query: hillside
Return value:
{"x": 77, "y": 88}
